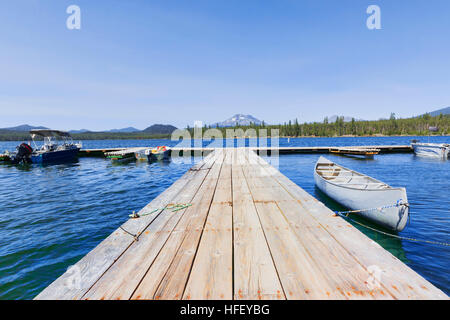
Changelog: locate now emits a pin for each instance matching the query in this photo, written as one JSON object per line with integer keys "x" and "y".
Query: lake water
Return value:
{"x": 51, "y": 216}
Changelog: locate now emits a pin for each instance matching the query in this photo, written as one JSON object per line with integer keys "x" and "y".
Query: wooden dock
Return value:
{"x": 250, "y": 233}
{"x": 383, "y": 149}
{"x": 263, "y": 150}
{"x": 356, "y": 151}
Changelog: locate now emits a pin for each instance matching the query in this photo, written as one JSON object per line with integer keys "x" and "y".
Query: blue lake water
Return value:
{"x": 51, "y": 216}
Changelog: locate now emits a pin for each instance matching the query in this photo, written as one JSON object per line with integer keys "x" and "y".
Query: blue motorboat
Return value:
{"x": 58, "y": 147}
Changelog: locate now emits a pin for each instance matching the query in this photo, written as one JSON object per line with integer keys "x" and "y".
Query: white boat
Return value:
{"x": 435, "y": 150}
{"x": 388, "y": 206}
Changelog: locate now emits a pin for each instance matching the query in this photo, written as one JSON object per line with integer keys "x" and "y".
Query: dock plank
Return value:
{"x": 255, "y": 275}
{"x": 212, "y": 272}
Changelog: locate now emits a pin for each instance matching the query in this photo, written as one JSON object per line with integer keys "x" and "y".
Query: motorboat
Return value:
{"x": 58, "y": 146}
{"x": 435, "y": 150}
{"x": 158, "y": 154}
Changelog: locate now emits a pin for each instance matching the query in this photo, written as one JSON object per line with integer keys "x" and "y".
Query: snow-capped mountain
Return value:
{"x": 238, "y": 120}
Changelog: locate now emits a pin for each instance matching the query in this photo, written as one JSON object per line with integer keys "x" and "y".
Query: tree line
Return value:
{"x": 419, "y": 126}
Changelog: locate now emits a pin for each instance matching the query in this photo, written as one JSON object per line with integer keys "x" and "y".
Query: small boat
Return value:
{"x": 120, "y": 156}
{"x": 158, "y": 154}
{"x": 127, "y": 155}
{"x": 378, "y": 202}
{"x": 58, "y": 147}
{"x": 435, "y": 150}
{"x": 5, "y": 157}
{"x": 140, "y": 155}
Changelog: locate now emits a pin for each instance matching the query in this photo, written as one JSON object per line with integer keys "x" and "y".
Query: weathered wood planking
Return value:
{"x": 397, "y": 279}
{"x": 255, "y": 276}
{"x": 212, "y": 271}
{"x": 181, "y": 249}
{"x": 300, "y": 275}
{"x": 81, "y": 277}
{"x": 121, "y": 280}
{"x": 251, "y": 233}
{"x": 313, "y": 265}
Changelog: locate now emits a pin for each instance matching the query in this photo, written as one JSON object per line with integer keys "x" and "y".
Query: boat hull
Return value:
{"x": 431, "y": 150}
{"x": 122, "y": 158}
{"x": 55, "y": 156}
{"x": 159, "y": 156}
{"x": 5, "y": 158}
{"x": 393, "y": 218}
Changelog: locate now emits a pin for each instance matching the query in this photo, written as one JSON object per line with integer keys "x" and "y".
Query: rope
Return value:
{"x": 399, "y": 203}
{"x": 171, "y": 207}
{"x": 135, "y": 236}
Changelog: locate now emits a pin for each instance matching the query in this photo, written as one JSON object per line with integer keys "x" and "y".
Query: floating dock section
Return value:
{"x": 356, "y": 151}
{"x": 248, "y": 233}
{"x": 260, "y": 150}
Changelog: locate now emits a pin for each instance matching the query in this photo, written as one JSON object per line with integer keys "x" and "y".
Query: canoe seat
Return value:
{"x": 330, "y": 175}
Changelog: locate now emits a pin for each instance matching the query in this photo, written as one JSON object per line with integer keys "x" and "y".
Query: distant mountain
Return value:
{"x": 128, "y": 129}
{"x": 79, "y": 131}
{"x": 238, "y": 120}
{"x": 124, "y": 130}
{"x": 23, "y": 128}
{"x": 438, "y": 112}
{"x": 160, "y": 129}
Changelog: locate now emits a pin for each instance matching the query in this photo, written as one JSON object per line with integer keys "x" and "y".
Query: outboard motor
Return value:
{"x": 23, "y": 155}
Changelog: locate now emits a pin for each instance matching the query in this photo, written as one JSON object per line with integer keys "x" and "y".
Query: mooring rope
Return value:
{"x": 171, "y": 207}
{"x": 398, "y": 204}
{"x": 135, "y": 236}
{"x": 344, "y": 214}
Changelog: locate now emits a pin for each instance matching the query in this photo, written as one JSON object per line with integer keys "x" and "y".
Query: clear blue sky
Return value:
{"x": 135, "y": 63}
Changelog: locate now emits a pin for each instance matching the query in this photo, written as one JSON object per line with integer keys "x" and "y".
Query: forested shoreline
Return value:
{"x": 390, "y": 127}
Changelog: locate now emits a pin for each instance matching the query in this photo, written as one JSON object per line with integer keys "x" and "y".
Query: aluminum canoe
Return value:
{"x": 356, "y": 191}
